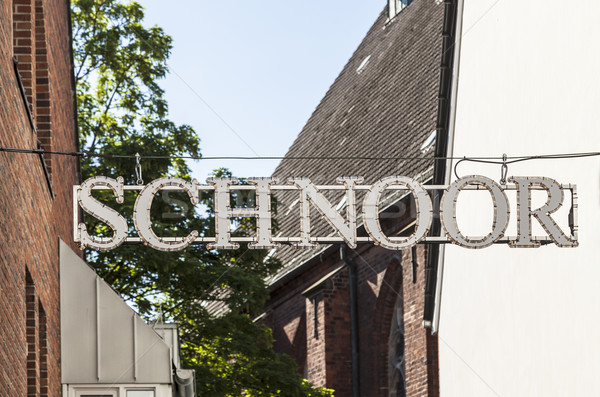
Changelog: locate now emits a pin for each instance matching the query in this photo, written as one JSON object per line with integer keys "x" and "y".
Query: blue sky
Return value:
{"x": 248, "y": 74}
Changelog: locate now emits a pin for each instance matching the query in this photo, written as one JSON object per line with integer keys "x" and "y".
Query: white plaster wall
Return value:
{"x": 526, "y": 322}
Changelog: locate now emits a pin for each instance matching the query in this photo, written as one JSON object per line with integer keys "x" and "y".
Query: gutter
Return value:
{"x": 442, "y": 166}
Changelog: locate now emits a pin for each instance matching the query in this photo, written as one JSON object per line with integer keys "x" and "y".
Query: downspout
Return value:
{"x": 442, "y": 147}
{"x": 353, "y": 287}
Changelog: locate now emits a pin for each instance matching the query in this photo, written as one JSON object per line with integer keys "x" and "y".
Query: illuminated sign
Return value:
{"x": 345, "y": 228}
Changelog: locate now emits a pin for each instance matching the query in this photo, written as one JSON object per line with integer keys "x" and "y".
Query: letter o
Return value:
{"x": 371, "y": 211}
{"x": 448, "y": 212}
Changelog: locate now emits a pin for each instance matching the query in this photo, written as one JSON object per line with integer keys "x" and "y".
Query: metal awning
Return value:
{"x": 102, "y": 339}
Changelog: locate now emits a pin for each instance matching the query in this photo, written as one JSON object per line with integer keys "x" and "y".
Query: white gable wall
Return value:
{"x": 524, "y": 322}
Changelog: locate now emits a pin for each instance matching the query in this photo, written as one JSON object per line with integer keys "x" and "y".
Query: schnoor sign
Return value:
{"x": 345, "y": 227}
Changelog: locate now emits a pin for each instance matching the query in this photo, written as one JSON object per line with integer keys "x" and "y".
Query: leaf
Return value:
{"x": 122, "y": 111}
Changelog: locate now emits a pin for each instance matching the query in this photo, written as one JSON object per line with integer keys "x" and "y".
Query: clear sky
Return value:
{"x": 248, "y": 74}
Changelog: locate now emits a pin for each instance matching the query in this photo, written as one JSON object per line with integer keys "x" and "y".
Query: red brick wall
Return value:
{"x": 382, "y": 275}
{"x": 24, "y": 41}
{"x": 43, "y": 114}
{"x": 421, "y": 346}
{"x": 337, "y": 340}
{"x": 316, "y": 359}
{"x": 32, "y": 334}
{"x": 31, "y": 220}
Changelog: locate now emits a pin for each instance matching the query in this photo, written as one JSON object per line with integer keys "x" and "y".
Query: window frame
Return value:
{"x": 98, "y": 390}
{"x": 395, "y": 7}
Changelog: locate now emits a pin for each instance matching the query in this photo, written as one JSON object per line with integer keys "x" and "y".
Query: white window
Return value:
{"x": 96, "y": 395}
{"x": 127, "y": 390}
{"x": 140, "y": 393}
{"x": 395, "y": 6}
{"x": 363, "y": 64}
{"x": 98, "y": 392}
{"x": 429, "y": 142}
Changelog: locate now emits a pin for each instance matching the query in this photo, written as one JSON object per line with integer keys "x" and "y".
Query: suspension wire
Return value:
{"x": 479, "y": 159}
{"x": 505, "y": 160}
{"x": 138, "y": 169}
{"x": 504, "y": 171}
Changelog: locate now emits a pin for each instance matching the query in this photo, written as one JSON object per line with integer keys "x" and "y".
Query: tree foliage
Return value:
{"x": 122, "y": 111}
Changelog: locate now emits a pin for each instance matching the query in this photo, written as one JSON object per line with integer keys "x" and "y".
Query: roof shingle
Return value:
{"x": 386, "y": 109}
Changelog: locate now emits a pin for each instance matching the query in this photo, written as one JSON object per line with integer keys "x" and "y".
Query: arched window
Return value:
{"x": 397, "y": 367}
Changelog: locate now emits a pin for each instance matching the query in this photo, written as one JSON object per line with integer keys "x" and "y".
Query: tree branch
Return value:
{"x": 94, "y": 27}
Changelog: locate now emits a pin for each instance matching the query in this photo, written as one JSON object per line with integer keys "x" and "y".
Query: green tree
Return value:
{"x": 122, "y": 111}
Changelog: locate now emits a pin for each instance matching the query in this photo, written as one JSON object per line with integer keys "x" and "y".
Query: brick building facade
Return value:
{"x": 36, "y": 110}
{"x": 383, "y": 105}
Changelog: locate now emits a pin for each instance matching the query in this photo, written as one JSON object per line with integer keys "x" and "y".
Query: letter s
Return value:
{"x": 102, "y": 212}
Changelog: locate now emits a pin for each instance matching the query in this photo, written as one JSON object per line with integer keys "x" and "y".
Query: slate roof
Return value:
{"x": 387, "y": 109}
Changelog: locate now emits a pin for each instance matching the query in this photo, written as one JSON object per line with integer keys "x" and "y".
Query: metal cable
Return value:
{"x": 479, "y": 159}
